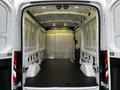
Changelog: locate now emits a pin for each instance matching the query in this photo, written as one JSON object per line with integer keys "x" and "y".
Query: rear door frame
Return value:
{"x": 98, "y": 4}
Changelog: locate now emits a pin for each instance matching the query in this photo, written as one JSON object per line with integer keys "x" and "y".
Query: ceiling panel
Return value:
{"x": 49, "y": 15}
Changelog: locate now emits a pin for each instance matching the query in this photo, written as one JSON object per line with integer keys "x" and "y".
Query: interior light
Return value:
{"x": 58, "y": 6}
{"x": 54, "y": 24}
{"x": 65, "y": 24}
{"x": 65, "y": 6}
{"x": 76, "y": 7}
{"x": 43, "y": 7}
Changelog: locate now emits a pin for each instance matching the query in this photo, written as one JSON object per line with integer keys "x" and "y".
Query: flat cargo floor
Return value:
{"x": 60, "y": 73}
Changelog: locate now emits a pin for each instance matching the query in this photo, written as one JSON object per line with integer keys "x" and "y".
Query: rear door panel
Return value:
{"x": 113, "y": 27}
{"x": 7, "y": 26}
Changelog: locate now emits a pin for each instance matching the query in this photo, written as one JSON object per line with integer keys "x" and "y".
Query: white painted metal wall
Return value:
{"x": 33, "y": 43}
{"x": 89, "y": 45}
{"x": 33, "y": 40}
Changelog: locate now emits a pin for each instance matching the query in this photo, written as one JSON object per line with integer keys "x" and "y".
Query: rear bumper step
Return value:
{"x": 63, "y": 88}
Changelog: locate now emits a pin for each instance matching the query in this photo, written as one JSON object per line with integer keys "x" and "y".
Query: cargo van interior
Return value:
{"x": 60, "y": 46}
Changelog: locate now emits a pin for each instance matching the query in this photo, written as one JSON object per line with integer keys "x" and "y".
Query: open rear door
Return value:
{"x": 113, "y": 28}
{"x": 7, "y": 17}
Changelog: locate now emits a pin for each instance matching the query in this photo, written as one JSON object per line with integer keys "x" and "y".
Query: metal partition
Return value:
{"x": 60, "y": 44}
{"x": 51, "y": 44}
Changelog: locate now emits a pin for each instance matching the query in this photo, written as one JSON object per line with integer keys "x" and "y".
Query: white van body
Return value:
{"x": 12, "y": 48}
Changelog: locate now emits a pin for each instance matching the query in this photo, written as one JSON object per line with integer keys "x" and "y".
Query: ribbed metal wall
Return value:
{"x": 60, "y": 44}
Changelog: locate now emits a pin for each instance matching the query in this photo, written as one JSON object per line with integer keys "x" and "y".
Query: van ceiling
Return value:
{"x": 55, "y": 16}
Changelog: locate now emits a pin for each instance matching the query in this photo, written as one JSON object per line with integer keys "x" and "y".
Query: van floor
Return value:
{"x": 60, "y": 73}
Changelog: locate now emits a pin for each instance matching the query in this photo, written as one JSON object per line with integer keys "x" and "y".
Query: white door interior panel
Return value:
{"x": 3, "y": 42}
{"x": 7, "y": 12}
{"x": 3, "y": 18}
{"x": 117, "y": 25}
{"x": 3, "y": 25}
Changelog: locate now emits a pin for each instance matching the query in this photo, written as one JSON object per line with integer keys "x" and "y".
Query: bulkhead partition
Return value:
{"x": 60, "y": 44}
